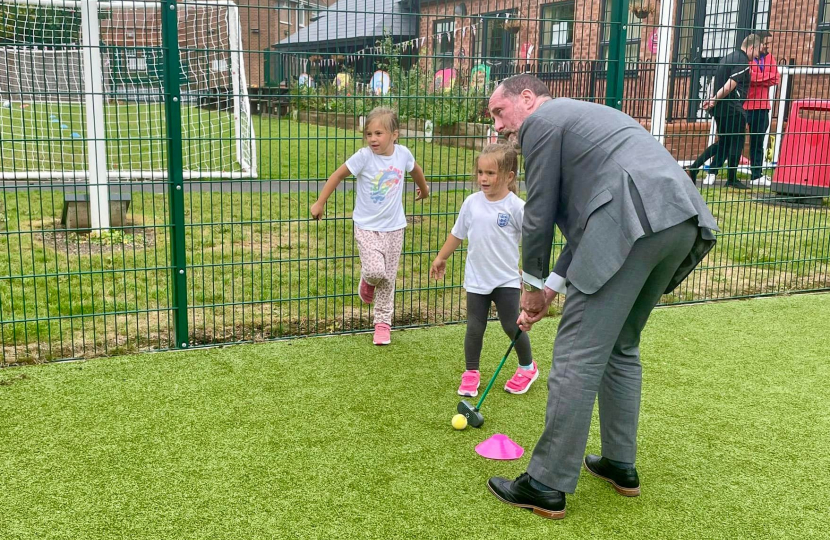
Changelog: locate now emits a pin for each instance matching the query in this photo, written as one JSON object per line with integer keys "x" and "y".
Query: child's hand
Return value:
{"x": 317, "y": 210}
{"x": 439, "y": 266}
{"x": 421, "y": 194}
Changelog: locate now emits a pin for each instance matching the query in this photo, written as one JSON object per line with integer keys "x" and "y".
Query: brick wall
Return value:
{"x": 793, "y": 24}
{"x": 260, "y": 29}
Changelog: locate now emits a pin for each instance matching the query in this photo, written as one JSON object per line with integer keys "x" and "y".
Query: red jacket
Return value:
{"x": 764, "y": 72}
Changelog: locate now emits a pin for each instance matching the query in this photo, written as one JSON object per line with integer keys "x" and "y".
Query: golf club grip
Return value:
{"x": 498, "y": 369}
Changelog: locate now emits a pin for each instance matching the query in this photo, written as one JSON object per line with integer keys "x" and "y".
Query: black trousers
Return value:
{"x": 758, "y": 122}
{"x": 729, "y": 125}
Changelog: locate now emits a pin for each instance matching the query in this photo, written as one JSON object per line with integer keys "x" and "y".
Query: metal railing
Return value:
{"x": 158, "y": 197}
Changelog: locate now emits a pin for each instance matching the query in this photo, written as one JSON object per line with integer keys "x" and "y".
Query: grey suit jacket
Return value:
{"x": 585, "y": 164}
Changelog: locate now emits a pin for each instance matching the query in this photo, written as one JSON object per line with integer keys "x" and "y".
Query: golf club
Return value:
{"x": 473, "y": 413}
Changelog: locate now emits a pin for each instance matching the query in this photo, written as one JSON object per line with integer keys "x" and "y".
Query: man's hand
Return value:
{"x": 535, "y": 306}
{"x": 708, "y": 104}
{"x": 533, "y": 301}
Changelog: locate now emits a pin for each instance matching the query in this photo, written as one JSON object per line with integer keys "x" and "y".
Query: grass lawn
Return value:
{"x": 259, "y": 269}
{"x": 335, "y": 438}
{"x": 49, "y": 137}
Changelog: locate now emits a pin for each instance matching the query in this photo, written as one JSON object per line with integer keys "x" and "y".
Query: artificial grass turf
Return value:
{"x": 335, "y": 438}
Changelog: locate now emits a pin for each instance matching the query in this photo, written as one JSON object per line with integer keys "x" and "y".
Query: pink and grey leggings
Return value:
{"x": 379, "y": 256}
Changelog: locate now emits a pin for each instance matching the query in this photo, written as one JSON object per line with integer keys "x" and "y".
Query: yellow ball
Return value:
{"x": 459, "y": 421}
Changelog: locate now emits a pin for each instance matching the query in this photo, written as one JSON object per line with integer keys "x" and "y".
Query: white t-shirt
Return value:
{"x": 380, "y": 180}
{"x": 493, "y": 230}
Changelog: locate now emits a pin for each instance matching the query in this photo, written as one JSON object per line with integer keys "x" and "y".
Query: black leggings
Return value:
{"x": 478, "y": 308}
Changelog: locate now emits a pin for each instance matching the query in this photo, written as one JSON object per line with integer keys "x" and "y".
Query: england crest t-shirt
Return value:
{"x": 493, "y": 230}
{"x": 379, "y": 186}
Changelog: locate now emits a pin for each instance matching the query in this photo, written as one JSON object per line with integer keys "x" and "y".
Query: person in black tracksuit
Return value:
{"x": 726, "y": 107}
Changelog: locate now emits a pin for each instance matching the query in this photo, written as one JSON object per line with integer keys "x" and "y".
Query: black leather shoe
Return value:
{"x": 519, "y": 492}
{"x": 625, "y": 481}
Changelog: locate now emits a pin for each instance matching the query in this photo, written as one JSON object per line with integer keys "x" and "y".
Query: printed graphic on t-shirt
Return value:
{"x": 503, "y": 220}
{"x": 384, "y": 182}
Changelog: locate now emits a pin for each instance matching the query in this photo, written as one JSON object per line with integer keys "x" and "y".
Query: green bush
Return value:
{"x": 411, "y": 94}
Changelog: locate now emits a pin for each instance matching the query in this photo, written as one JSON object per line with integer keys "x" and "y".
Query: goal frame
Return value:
{"x": 97, "y": 172}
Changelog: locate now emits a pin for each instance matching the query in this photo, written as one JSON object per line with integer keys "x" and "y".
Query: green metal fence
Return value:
{"x": 158, "y": 159}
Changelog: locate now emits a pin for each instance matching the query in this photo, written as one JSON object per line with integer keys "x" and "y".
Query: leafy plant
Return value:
{"x": 112, "y": 238}
{"x": 39, "y": 25}
{"x": 411, "y": 94}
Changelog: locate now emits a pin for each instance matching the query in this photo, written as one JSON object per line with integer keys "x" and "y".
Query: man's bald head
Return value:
{"x": 514, "y": 100}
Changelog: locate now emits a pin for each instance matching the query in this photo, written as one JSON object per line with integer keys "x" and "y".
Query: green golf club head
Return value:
{"x": 473, "y": 416}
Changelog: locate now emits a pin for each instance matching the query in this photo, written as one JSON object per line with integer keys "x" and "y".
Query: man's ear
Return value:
{"x": 528, "y": 97}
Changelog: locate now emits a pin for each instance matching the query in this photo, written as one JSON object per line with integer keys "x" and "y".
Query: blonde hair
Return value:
{"x": 507, "y": 161}
{"x": 387, "y": 118}
{"x": 752, "y": 40}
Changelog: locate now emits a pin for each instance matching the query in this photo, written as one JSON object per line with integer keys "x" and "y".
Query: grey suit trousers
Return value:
{"x": 596, "y": 352}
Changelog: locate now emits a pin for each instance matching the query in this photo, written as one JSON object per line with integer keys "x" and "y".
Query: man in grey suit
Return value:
{"x": 634, "y": 228}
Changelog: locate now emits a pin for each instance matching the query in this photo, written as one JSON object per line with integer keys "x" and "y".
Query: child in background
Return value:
{"x": 378, "y": 216}
{"x": 491, "y": 221}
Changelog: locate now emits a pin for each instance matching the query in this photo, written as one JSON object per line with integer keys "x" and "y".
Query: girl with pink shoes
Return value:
{"x": 378, "y": 216}
{"x": 491, "y": 221}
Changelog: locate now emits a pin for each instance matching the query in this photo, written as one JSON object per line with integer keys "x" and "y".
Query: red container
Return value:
{"x": 804, "y": 163}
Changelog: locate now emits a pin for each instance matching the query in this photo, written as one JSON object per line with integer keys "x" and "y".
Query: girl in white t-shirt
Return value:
{"x": 491, "y": 221}
{"x": 378, "y": 216}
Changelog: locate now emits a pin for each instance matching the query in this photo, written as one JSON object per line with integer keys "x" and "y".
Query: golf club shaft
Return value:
{"x": 496, "y": 374}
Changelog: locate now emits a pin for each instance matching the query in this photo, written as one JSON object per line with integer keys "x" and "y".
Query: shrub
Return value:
{"x": 411, "y": 94}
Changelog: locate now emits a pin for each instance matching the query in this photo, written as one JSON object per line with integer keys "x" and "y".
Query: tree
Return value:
{"x": 39, "y": 25}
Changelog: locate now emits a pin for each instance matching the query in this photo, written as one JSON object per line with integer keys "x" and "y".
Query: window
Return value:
{"x": 761, "y": 15}
{"x": 496, "y": 45}
{"x": 284, "y": 9}
{"x": 686, "y": 32}
{"x": 632, "y": 43}
{"x": 720, "y": 34}
{"x": 219, "y": 66}
{"x": 710, "y": 29}
{"x": 823, "y": 33}
{"x": 135, "y": 62}
{"x": 444, "y": 30}
{"x": 556, "y": 37}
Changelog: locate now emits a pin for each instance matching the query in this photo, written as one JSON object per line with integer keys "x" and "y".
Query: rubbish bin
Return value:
{"x": 804, "y": 162}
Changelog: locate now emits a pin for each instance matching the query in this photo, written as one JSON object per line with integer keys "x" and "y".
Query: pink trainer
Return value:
{"x": 470, "y": 380}
{"x": 366, "y": 292}
{"x": 383, "y": 335}
{"x": 522, "y": 379}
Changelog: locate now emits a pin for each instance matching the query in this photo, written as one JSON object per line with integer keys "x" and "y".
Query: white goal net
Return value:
{"x": 57, "y": 83}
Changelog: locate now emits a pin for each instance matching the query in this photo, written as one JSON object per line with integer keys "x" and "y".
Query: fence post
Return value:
{"x": 616, "y": 53}
{"x": 175, "y": 176}
{"x": 96, "y": 135}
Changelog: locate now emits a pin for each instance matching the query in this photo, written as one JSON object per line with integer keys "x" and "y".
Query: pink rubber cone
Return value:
{"x": 499, "y": 447}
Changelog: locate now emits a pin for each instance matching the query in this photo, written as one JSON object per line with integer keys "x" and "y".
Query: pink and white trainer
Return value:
{"x": 366, "y": 292}
{"x": 522, "y": 379}
{"x": 383, "y": 335}
{"x": 470, "y": 380}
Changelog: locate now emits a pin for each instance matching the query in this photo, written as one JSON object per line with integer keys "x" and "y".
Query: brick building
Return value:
{"x": 566, "y": 43}
{"x": 265, "y": 22}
